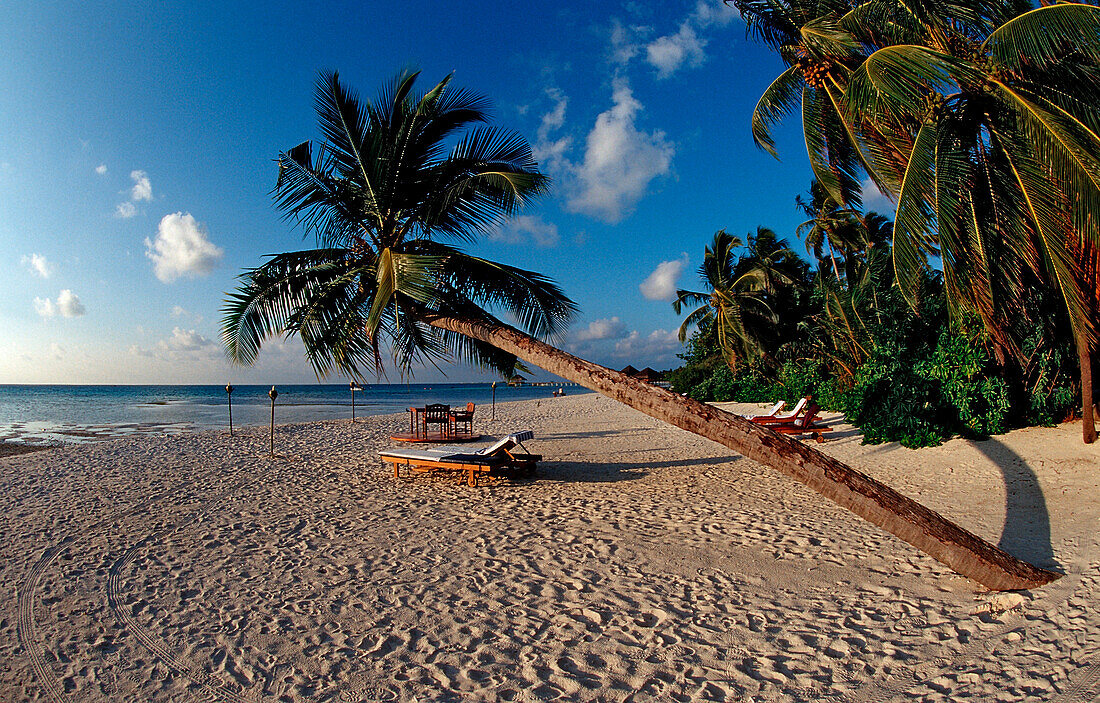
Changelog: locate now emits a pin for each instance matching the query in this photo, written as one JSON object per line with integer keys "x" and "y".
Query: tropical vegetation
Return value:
{"x": 397, "y": 175}
{"x": 911, "y": 374}
{"x": 981, "y": 121}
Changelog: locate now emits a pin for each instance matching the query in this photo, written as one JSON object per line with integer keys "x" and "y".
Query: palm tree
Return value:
{"x": 1003, "y": 175}
{"x": 980, "y": 120}
{"x": 830, "y": 227}
{"x": 770, "y": 259}
{"x": 733, "y": 307}
{"x": 380, "y": 192}
{"x": 821, "y": 54}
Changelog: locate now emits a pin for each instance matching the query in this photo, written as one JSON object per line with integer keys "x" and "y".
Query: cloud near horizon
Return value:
{"x": 66, "y": 305}
{"x": 185, "y": 340}
{"x": 663, "y": 282}
{"x": 608, "y": 328}
{"x": 658, "y": 347}
{"x": 181, "y": 249}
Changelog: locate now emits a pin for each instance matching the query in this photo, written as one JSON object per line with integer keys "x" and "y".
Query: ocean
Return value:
{"x": 46, "y": 414}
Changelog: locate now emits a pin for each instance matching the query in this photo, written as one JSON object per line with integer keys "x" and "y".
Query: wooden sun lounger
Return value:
{"x": 769, "y": 413}
{"x": 785, "y": 418}
{"x": 804, "y": 425}
{"x": 496, "y": 460}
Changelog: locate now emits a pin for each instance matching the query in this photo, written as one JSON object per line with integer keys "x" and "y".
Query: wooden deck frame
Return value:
{"x": 475, "y": 466}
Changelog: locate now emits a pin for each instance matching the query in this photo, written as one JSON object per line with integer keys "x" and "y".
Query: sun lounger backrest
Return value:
{"x": 794, "y": 411}
{"x": 508, "y": 442}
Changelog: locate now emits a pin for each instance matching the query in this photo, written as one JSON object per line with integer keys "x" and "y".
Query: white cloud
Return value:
{"x": 181, "y": 343}
{"x": 66, "y": 305}
{"x": 662, "y": 283}
{"x": 669, "y": 53}
{"x": 101, "y": 169}
{"x": 180, "y": 311}
{"x": 619, "y": 161}
{"x": 556, "y": 117}
{"x": 143, "y": 189}
{"x": 184, "y": 340}
{"x": 673, "y": 51}
{"x": 713, "y": 14}
{"x": 125, "y": 210}
{"x": 181, "y": 248}
{"x": 546, "y": 151}
{"x": 624, "y": 42}
{"x": 38, "y": 264}
{"x": 57, "y": 352}
{"x": 69, "y": 305}
{"x": 610, "y": 328}
{"x": 655, "y": 348}
{"x": 527, "y": 228}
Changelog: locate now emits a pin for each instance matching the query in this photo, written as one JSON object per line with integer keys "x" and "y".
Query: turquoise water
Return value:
{"x": 37, "y": 414}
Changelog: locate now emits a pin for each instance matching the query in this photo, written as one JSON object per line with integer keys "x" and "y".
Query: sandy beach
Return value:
{"x": 644, "y": 563}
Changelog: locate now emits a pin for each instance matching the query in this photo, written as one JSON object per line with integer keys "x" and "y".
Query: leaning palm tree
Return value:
{"x": 733, "y": 308}
{"x": 381, "y": 192}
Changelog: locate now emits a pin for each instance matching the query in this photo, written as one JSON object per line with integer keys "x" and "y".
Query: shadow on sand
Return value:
{"x": 1026, "y": 531}
{"x": 611, "y": 472}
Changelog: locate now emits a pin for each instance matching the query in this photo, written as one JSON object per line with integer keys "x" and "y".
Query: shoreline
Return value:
{"x": 643, "y": 559}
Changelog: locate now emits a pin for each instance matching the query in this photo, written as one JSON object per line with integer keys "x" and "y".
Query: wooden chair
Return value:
{"x": 462, "y": 421}
{"x": 437, "y": 414}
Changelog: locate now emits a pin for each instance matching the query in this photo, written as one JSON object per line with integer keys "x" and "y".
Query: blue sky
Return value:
{"x": 137, "y": 148}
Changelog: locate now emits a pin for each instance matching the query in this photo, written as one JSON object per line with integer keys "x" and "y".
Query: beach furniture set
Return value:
{"x": 438, "y": 422}
{"x": 498, "y": 460}
{"x": 800, "y": 420}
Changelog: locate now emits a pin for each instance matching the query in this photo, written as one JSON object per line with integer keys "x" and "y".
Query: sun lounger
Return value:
{"x": 500, "y": 459}
{"x": 805, "y": 425}
{"x": 771, "y": 412}
{"x": 787, "y": 417}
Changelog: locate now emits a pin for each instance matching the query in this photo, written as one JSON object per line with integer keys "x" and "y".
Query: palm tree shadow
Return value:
{"x": 612, "y": 472}
{"x": 1026, "y": 531}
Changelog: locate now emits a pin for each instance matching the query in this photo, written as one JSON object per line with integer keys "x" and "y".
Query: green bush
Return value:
{"x": 889, "y": 402}
{"x": 970, "y": 384}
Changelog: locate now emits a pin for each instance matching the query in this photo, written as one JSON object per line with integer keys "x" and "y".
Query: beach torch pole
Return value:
{"x": 494, "y": 400}
{"x": 353, "y": 389}
{"x": 273, "y": 394}
{"x": 229, "y": 393}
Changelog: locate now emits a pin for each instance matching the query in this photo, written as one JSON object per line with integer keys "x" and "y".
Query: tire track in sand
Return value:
{"x": 27, "y": 629}
{"x": 27, "y": 625}
{"x": 178, "y": 664}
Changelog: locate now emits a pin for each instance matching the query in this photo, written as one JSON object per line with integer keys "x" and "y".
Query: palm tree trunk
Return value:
{"x": 925, "y": 529}
{"x": 1088, "y": 420}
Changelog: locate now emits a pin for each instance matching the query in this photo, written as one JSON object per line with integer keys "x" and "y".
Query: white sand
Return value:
{"x": 644, "y": 564}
